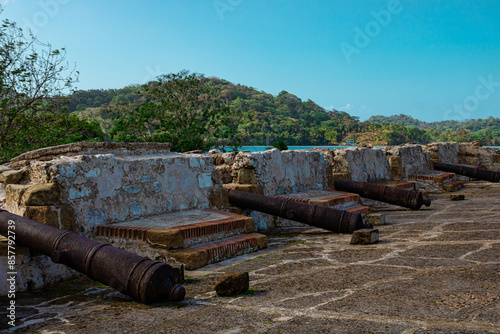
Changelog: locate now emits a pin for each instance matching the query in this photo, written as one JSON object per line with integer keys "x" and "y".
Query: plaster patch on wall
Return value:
{"x": 135, "y": 208}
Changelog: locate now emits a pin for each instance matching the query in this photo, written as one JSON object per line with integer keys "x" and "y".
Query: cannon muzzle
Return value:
{"x": 406, "y": 198}
{"x": 144, "y": 280}
{"x": 328, "y": 218}
{"x": 477, "y": 173}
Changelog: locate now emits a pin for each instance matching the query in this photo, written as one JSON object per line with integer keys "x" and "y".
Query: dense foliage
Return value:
{"x": 183, "y": 109}
{"x": 33, "y": 110}
{"x": 485, "y": 130}
{"x": 259, "y": 118}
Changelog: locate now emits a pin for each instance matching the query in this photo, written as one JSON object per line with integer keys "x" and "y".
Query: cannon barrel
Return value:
{"x": 477, "y": 173}
{"x": 328, "y": 218}
{"x": 144, "y": 280}
{"x": 406, "y": 198}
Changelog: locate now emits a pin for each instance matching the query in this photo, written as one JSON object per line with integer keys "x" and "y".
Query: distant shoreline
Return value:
{"x": 263, "y": 148}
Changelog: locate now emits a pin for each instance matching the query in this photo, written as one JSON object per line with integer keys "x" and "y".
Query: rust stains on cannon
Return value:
{"x": 331, "y": 219}
{"x": 405, "y": 198}
{"x": 144, "y": 280}
{"x": 477, "y": 173}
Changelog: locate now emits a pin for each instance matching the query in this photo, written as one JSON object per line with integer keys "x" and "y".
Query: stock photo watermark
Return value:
{"x": 223, "y": 6}
{"x": 12, "y": 273}
{"x": 484, "y": 90}
{"x": 153, "y": 73}
{"x": 363, "y": 37}
{"x": 48, "y": 9}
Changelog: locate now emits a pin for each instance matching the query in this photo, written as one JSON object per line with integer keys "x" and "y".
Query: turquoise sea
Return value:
{"x": 263, "y": 148}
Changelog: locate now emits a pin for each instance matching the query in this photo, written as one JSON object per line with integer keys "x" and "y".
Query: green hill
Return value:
{"x": 262, "y": 117}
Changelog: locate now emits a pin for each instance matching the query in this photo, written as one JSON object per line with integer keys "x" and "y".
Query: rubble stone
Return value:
{"x": 232, "y": 284}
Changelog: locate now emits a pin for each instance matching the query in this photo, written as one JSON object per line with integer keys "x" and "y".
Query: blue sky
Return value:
{"x": 430, "y": 59}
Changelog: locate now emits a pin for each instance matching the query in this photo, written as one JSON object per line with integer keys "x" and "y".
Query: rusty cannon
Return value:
{"x": 331, "y": 219}
{"x": 406, "y": 198}
{"x": 477, "y": 173}
{"x": 144, "y": 280}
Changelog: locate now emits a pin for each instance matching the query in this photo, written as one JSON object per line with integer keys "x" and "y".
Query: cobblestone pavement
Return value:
{"x": 434, "y": 271}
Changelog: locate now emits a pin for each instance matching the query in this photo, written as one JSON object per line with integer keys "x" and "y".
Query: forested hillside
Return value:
{"x": 260, "y": 118}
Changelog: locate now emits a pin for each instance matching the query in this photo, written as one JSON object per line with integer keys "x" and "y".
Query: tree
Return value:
{"x": 33, "y": 107}
{"x": 181, "y": 108}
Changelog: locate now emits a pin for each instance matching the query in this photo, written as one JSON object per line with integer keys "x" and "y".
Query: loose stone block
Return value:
{"x": 375, "y": 219}
{"x": 168, "y": 239}
{"x": 41, "y": 195}
{"x": 192, "y": 258}
{"x": 365, "y": 237}
{"x": 232, "y": 284}
{"x": 11, "y": 176}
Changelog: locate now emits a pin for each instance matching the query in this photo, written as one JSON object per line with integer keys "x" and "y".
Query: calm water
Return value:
{"x": 263, "y": 148}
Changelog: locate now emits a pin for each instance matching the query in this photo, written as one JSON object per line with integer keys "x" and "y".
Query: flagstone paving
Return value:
{"x": 436, "y": 270}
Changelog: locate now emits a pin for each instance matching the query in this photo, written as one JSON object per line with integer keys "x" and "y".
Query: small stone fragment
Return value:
{"x": 457, "y": 197}
{"x": 232, "y": 284}
{"x": 365, "y": 236}
{"x": 375, "y": 219}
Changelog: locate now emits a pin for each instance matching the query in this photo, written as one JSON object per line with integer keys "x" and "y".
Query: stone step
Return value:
{"x": 198, "y": 256}
{"x": 180, "y": 229}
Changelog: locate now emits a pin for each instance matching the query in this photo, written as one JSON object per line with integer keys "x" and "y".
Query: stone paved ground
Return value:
{"x": 435, "y": 271}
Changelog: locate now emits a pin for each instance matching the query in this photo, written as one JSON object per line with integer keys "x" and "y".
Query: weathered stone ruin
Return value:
{"x": 173, "y": 207}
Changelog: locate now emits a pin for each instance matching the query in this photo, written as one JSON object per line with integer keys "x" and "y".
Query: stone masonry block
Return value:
{"x": 11, "y": 176}
{"x": 344, "y": 176}
{"x": 250, "y": 188}
{"x": 395, "y": 161}
{"x": 495, "y": 158}
{"x": 249, "y": 225}
{"x": 14, "y": 192}
{"x": 375, "y": 219}
{"x": 192, "y": 258}
{"x": 59, "y": 216}
{"x": 246, "y": 176}
{"x": 41, "y": 195}
{"x": 217, "y": 198}
{"x": 168, "y": 239}
{"x": 365, "y": 237}
{"x": 43, "y": 214}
